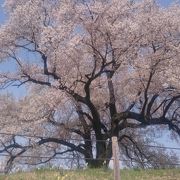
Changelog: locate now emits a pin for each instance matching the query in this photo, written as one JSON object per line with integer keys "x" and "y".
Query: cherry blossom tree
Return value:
{"x": 96, "y": 69}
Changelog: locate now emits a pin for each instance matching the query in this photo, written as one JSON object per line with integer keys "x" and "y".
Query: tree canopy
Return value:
{"x": 93, "y": 69}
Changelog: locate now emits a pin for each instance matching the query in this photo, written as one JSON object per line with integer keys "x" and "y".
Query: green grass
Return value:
{"x": 97, "y": 174}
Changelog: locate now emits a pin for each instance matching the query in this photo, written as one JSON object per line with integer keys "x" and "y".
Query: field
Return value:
{"x": 98, "y": 174}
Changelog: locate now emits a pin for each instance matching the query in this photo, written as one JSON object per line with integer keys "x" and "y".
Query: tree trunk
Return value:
{"x": 103, "y": 155}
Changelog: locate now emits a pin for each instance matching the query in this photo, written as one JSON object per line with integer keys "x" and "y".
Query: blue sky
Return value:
{"x": 2, "y": 15}
{"x": 18, "y": 92}
{"x": 164, "y": 3}
{"x": 8, "y": 66}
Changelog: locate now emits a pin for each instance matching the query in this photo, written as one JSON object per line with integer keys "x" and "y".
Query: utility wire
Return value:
{"x": 73, "y": 158}
{"x": 44, "y": 137}
{"x": 80, "y": 140}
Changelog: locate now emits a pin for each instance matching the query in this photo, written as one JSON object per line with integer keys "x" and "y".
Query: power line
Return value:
{"x": 50, "y": 157}
{"x": 75, "y": 139}
{"x": 162, "y": 147}
{"x": 43, "y": 137}
{"x": 82, "y": 158}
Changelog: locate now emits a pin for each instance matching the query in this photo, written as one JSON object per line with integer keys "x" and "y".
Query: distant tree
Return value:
{"x": 93, "y": 69}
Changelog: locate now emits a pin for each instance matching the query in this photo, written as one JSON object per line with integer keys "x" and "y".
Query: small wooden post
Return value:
{"x": 115, "y": 150}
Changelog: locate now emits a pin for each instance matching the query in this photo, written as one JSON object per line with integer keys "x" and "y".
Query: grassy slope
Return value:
{"x": 173, "y": 174}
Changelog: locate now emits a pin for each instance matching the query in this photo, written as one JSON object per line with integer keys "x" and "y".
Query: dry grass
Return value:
{"x": 98, "y": 174}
